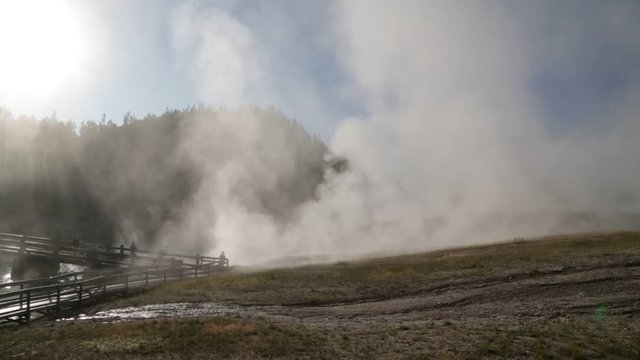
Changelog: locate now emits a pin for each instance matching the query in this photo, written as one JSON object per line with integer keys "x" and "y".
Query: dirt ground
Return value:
{"x": 516, "y": 315}
{"x": 573, "y": 306}
{"x": 561, "y": 297}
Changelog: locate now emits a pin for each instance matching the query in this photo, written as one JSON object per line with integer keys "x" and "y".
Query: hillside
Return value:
{"x": 572, "y": 296}
{"x": 138, "y": 180}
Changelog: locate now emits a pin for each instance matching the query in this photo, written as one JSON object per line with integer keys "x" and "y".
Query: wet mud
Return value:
{"x": 162, "y": 311}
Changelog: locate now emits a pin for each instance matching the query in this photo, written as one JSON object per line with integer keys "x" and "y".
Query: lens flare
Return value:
{"x": 42, "y": 47}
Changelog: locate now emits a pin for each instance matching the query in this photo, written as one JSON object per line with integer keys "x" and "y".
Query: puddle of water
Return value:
{"x": 5, "y": 272}
{"x": 160, "y": 311}
{"x": 5, "y": 277}
{"x": 71, "y": 268}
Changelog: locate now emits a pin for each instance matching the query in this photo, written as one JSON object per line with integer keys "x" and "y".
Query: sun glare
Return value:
{"x": 41, "y": 46}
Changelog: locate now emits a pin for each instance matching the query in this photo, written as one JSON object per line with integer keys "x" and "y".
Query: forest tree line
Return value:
{"x": 110, "y": 183}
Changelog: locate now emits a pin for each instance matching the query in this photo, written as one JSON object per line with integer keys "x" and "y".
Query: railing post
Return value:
{"x": 58, "y": 300}
{"x": 196, "y": 271}
{"x": 164, "y": 274}
{"x": 126, "y": 283}
{"x": 28, "y": 314}
{"x": 21, "y": 295}
{"x": 80, "y": 295}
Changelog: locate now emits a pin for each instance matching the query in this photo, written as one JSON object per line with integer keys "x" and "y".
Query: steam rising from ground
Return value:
{"x": 455, "y": 147}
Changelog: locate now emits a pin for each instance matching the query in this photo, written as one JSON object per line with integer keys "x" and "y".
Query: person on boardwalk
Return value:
{"x": 90, "y": 253}
{"x": 160, "y": 259}
{"x": 132, "y": 250}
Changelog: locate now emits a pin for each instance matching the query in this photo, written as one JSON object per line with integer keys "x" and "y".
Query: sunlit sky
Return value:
{"x": 85, "y": 58}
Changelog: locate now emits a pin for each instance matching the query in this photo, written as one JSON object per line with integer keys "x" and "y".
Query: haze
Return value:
{"x": 461, "y": 122}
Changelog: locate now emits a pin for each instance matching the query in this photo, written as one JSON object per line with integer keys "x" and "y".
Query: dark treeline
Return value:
{"x": 103, "y": 182}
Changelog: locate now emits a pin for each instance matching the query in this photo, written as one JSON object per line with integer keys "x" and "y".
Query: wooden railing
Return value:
{"x": 30, "y": 300}
{"x": 73, "y": 252}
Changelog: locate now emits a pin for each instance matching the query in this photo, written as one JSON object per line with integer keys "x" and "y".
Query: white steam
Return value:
{"x": 226, "y": 68}
{"x": 455, "y": 148}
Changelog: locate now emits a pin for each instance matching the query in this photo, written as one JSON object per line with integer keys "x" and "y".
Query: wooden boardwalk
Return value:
{"x": 28, "y": 300}
{"x": 31, "y": 300}
{"x": 90, "y": 254}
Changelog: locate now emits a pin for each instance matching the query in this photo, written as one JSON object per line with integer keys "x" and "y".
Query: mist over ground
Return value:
{"x": 464, "y": 136}
{"x": 455, "y": 146}
{"x": 143, "y": 181}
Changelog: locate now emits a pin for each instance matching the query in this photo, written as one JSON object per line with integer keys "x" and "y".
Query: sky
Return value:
{"x": 462, "y": 121}
{"x": 135, "y": 60}
{"x": 145, "y": 56}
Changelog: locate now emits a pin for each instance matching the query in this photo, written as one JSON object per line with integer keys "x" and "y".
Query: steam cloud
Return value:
{"x": 455, "y": 146}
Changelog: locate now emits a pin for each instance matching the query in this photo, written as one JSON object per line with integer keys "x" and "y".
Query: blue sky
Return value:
{"x": 138, "y": 67}
{"x": 447, "y": 108}
{"x": 141, "y": 71}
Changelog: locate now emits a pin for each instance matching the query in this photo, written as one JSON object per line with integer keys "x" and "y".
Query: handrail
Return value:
{"x": 79, "y": 274}
{"x": 45, "y": 279}
{"x": 46, "y": 287}
{"x": 44, "y": 295}
{"x": 26, "y": 236}
{"x": 22, "y": 303}
{"x": 38, "y": 244}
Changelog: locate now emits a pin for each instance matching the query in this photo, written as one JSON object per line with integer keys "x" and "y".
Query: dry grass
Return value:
{"x": 220, "y": 337}
{"x": 512, "y": 318}
{"x": 394, "y": 276}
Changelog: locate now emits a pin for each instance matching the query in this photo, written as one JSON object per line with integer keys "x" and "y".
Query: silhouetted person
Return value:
{"x": 160, "y": 258}
{"x": 132, "y": 250}
{"x": 92, "y": 253}
{"x": 222, "y": 258}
